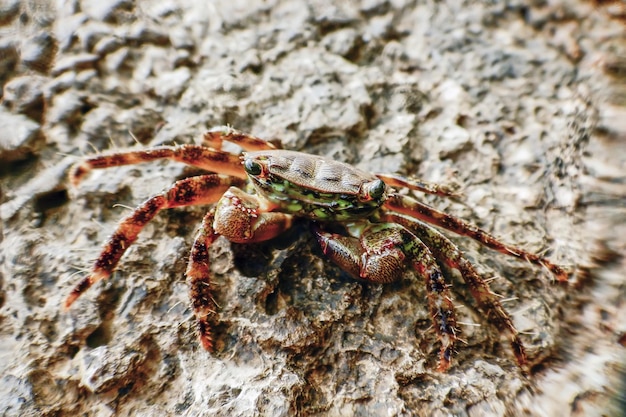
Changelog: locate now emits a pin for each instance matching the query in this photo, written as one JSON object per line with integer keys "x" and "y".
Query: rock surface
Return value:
{"x": 519, "y": 107}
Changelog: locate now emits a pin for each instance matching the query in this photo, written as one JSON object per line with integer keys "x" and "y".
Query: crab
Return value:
{"x": 359, "y": 219}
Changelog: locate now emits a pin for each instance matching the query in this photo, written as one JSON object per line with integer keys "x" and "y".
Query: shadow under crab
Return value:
{"x": 376, "y": 233}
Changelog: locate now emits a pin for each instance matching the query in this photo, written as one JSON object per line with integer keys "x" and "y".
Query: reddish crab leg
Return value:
{"x": 199, "y": 279}
{"x": 413, "y": 208}
{"x": 217, "y": 135}
{"x": 195, "y": 155}
{"x": 416, "y": 184}
{"x": 204, "y": 189}
{"x": 200, "y": 156}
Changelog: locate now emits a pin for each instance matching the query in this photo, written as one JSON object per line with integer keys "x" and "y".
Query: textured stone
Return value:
{"x": 75, "y": 63}
{"x": 20, "y": 137}
{"x": 25, "y": 95}
{"x": 9, "y": 10}
{"x": 39, "y": 52}
{"x": 9, "y": 59}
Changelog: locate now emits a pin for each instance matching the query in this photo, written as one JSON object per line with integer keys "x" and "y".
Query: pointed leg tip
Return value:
{"x": 82, "y": 286}
{"x": 445, "y": 359}
{"x": 69, "y": 301}
{"x": 207, "y": 343}
{"x": 561, "y": 275}
{"x": 204, "y": 334}
{"x": 444, "y": 365}
{"x": 522, "y": 360}
{"x": 79, "y": 172}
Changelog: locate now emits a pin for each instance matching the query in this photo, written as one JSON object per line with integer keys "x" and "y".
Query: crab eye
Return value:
{"x": 376, "y": 189}
{"x": 252, "y": 168}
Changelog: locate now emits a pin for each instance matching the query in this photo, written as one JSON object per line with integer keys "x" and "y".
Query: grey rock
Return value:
{"x": 9, "y": 9}
{"x": 39, "y": 52}
{"x": 20, "y": 137}
{"x": 9, "y": 58}
{"x": 75, "y": 63}
{"x": 25, "y": 95}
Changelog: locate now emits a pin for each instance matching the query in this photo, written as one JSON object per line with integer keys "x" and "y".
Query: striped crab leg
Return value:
{"x": 208, "y": 156}
{"x": 410, "y": 207}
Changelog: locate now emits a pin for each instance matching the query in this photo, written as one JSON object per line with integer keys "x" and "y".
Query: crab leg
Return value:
{"x": 204, "y": 189}
{"x": 199, "y": 279}
{"x": 217, "y": 135}
{"x": 416, "y": 184}
{"x": 239, "y": 217}
{"x": 379, "y": 254}
{"x": 448, "y": 254}
{"x": 413, "y": 208}
{"x": 194, "y": 155}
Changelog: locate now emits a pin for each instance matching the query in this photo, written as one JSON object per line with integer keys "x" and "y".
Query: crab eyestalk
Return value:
{"x": 374, "y": 191}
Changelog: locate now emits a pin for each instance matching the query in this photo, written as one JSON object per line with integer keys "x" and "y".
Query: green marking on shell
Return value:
{"x": 320, "y": 213}
{"x": 279, "y": 187}
{"x": 295, "y": 206}
{"x": 306, "y": 202}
